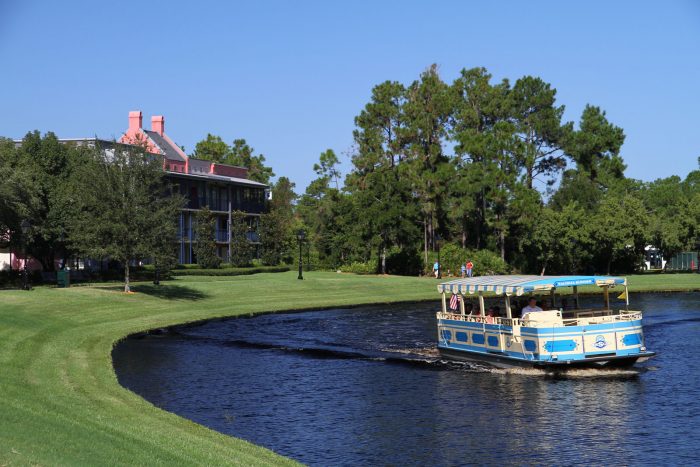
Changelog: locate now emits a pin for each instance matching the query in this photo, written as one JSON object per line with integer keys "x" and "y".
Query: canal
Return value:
{"x": 364, "y": 386}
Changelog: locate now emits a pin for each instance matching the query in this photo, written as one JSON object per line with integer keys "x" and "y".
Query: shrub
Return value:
{"x": 486, "y": 262}
{"x": 229, "y": 271}
{"x": 406, "y": 261}
{"x": 367, "y": 267}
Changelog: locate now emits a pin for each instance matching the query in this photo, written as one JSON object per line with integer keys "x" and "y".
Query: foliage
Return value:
{"x": 452, "y": 257}
{"x": 240, "y": 154}
{"x": 275, "y": 237}
{"x": 122, "y": 212}
{"x": 357, "y": 267}
{"x": 241, "y": 248}
{"x": 205, "y": 233}
{"x": 230, "y": 271}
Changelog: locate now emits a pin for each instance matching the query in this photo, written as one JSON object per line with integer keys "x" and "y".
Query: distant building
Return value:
{"x": 223, "y": 188}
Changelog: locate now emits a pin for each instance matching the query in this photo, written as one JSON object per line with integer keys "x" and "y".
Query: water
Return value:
{"x": 365, "y": 387}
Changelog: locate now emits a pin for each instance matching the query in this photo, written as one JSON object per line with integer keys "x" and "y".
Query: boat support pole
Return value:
{"x": 461, "y": 305}
{"x": 575, "y": 297}
{"x": 509, "y": 314}
{"x": 606, "y": 296}
{"x": 553, "y": 298}
{"x": 481, "y": 304}
{"x": 444, "y": 303}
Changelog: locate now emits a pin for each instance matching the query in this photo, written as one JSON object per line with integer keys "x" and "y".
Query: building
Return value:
{"x": 223, "y": 188}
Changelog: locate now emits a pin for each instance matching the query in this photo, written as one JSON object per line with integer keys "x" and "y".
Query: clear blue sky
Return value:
{"x": 291, "y": 76}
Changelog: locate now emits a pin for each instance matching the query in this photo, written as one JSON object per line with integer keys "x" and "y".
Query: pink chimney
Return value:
{"x": 158, "y": 124}
{"x": 135, "y": 121}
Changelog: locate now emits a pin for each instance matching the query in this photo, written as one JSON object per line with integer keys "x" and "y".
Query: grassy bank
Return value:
{"x": 60, "y": 402}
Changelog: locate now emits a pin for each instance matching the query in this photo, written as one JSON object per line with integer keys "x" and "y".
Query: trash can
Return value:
{"x": 63, "y": 278}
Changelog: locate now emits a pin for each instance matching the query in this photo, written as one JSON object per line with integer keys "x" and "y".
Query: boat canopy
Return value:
{"x": 519, "y": 285}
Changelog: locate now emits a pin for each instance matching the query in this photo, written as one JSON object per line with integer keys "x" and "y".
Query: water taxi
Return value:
{"x": 559, "y": 337}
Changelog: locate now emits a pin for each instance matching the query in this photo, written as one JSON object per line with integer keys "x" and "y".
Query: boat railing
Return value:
{"x": 583, "y": 318}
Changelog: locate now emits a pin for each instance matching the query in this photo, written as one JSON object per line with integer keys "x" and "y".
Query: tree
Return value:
{"x": 240, "y": 154}
{"x": 212, "y": 148}
{"x": 427, "y": 111}
{"x": 40, "y": 171}
{"x": 241, "y": 249}
{"x": 620, "y": 230}
{"x": 205, "y": 233}
{"x": 327, "y": 166}
{"x": 125, "y": 209}
{"x": 275, "y": 237}
{"x": 538, "y": 125}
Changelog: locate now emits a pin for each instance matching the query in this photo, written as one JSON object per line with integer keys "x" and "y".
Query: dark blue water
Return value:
{"x": 364, "y": 386}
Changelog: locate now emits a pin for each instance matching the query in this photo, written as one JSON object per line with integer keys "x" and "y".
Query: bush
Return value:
{"x": 406, "y": 262}
{"x": 229, "y": 271}
{"x": 367, "y": 267}
{"x": 486, "y": 262}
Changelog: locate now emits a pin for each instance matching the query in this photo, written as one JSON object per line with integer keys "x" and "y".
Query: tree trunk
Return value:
{"x": 383, "y": 257}
{"x": 502, "y": 241}
{"x": 425, "y": 242}
{"x": 127, "y": 288}
{"x": 609, "y": 261}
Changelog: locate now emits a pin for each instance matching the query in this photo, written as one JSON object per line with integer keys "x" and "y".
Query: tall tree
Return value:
{"x": 125, "y": 209}
{"x": 240, "y": 154}
{"x": 327, "y": 166}
{"x": 538, "y": 123}
{"x": 212, "y": 148}
{"x": 427, "y": 112}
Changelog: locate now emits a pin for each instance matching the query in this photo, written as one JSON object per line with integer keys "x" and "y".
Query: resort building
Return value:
{"x": 223, "y": 188}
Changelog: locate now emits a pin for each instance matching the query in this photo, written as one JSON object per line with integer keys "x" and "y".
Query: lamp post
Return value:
{"x": 437, "y": 242}
{"x": 25, "y": 226}
{"x": 301, "y": 235}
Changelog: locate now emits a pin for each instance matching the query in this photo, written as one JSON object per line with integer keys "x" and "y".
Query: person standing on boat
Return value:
{"x": 470, "y": 266}
{"x": 531, "y": 306}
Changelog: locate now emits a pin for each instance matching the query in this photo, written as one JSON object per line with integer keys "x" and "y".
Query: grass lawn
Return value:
{"x": 60, "y": 402}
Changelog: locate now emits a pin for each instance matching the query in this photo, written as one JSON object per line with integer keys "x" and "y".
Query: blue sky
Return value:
{"x": 291, "y": 76}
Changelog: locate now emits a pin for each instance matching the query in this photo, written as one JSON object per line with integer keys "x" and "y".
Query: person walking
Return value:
{"x": 436, "y": 269}
{"x": 463, "y": 270}
{"x": 470, "y": 266}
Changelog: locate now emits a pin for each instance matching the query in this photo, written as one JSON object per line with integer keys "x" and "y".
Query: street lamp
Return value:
{"x": 25, "y": 226}
{"x": 437, "y": 242}
{"x": 301, "y": 235}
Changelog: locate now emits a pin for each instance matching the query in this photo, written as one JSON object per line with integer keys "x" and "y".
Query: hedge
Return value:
{"x": 228, "y": 271}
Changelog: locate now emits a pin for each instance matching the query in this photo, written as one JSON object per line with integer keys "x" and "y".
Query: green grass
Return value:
{"x": 60, "y": 402}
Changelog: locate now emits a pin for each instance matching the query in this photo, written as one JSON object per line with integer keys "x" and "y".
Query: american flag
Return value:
{"x": 454, "y": 301}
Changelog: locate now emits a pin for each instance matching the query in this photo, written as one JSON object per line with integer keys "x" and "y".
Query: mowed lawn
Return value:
{"x": 60, "y": 402}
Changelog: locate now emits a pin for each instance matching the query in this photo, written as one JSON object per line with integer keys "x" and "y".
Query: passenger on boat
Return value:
{"x": 531, "y": 306}
{"x": 468, "y": 308}
{"x": 490, "y": 314}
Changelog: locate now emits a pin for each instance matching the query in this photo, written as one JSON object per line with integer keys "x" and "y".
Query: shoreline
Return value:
{"x": 57, "y": 348}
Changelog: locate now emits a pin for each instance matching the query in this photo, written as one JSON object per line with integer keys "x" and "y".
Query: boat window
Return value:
{"x": 461, "y": 336}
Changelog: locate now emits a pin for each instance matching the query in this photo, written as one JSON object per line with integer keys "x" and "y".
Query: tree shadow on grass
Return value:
{"x": 170, "y": 292}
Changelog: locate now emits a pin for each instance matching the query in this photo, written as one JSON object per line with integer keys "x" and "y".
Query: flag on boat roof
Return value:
{"x": 519, "y": 285}
{"x": 454, "y": 301}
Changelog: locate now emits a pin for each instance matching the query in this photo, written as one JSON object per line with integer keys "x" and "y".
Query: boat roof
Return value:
{"x": 518, "y": 285}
